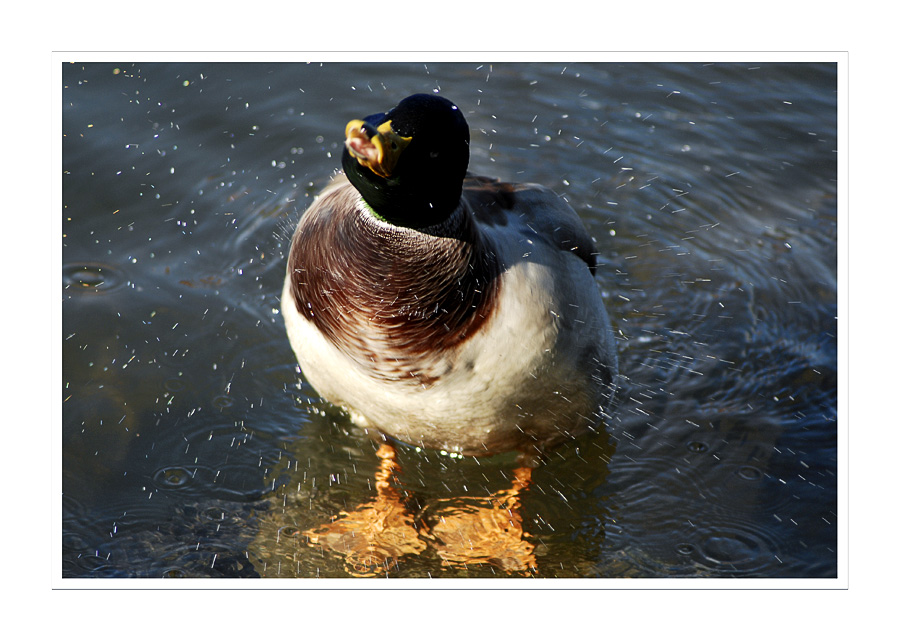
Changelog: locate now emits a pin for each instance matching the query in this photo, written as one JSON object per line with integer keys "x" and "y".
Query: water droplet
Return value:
{"x": 731, "y": 549}
{"x": 749, "y": 473}
{"x": 289, "y": 532}
{"x": 173, "y": 477}
{"x": 214, "y": 514}
{"x": 175, "y": 385}
{"x": 90, "y": 277}
{"x": 684, "y": 548}
{"x": 697, "y": 446}
{"x": 222, "y": 402}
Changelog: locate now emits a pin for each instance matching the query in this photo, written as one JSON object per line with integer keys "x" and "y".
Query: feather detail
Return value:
{"x": 396, "y": 301}
{"x": 483, "y": 334}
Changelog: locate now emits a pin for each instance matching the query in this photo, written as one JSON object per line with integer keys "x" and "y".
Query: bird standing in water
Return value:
{"x": 447, "y": 311}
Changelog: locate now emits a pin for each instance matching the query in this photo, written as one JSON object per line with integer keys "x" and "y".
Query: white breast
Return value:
{"x": 536, "y": 372}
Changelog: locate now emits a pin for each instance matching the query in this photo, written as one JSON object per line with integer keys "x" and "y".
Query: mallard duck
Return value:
{"x": 448, "y": 311}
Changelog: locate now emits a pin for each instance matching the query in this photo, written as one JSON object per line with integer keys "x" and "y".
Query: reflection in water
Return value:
{"x": 375, "y": 534}
{"x": 474, "y": 522}
{"x": 469, "y": 530}
{"x": 462, "y": 531}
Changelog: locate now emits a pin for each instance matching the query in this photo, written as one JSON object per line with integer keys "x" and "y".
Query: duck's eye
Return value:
{"x": 393, "y": 146}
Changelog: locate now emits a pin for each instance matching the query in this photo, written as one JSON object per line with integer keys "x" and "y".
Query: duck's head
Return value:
{"x": 409, "y": 163}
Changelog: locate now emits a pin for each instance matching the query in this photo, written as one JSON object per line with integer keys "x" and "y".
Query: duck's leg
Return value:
{"x": 376, "y": 533}
{"x": 468, "y": 531}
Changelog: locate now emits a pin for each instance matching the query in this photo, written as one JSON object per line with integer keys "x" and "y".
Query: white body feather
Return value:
{"x": 539, "y": 370}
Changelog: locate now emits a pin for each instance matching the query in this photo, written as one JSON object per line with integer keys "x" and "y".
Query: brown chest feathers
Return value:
{"x": 396, "y": 301}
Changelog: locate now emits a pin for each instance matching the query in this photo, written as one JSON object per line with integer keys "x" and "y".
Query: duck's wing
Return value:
{"x": 535, "y": 207}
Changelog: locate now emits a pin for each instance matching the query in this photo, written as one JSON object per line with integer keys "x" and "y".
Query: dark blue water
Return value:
{"x": 192, "y": 449}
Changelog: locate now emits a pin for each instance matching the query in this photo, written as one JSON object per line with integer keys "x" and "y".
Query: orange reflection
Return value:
{"x": 377, "y": 532}
{"x": 461, "y": 531}
{"x": 468, "y": 531}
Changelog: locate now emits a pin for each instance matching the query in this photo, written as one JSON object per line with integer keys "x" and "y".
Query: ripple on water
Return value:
{"x": 749, "y": 473}
{"x": 696, "y": 519}
{"x": 91, "y": 278}
{"x": 199, "y": 481}
{"x": 717, "y": 548}
{"x": 222, "y": 402}
{"x": 289, "y": 532}
{"x": 222, "y": 462}
{"x": 738, "y": 547}
{"x": 176, "y": 477}
{"x": 175, "y": 385}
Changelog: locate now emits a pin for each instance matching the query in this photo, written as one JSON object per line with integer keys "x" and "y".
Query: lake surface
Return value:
{"x": 192, "y": 448}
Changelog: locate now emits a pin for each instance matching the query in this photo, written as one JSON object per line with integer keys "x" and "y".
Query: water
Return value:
{"x": 189, "y": 450}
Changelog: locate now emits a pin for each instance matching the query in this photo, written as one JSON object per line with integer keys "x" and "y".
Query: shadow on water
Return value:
{"x": 191, "y": 446}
